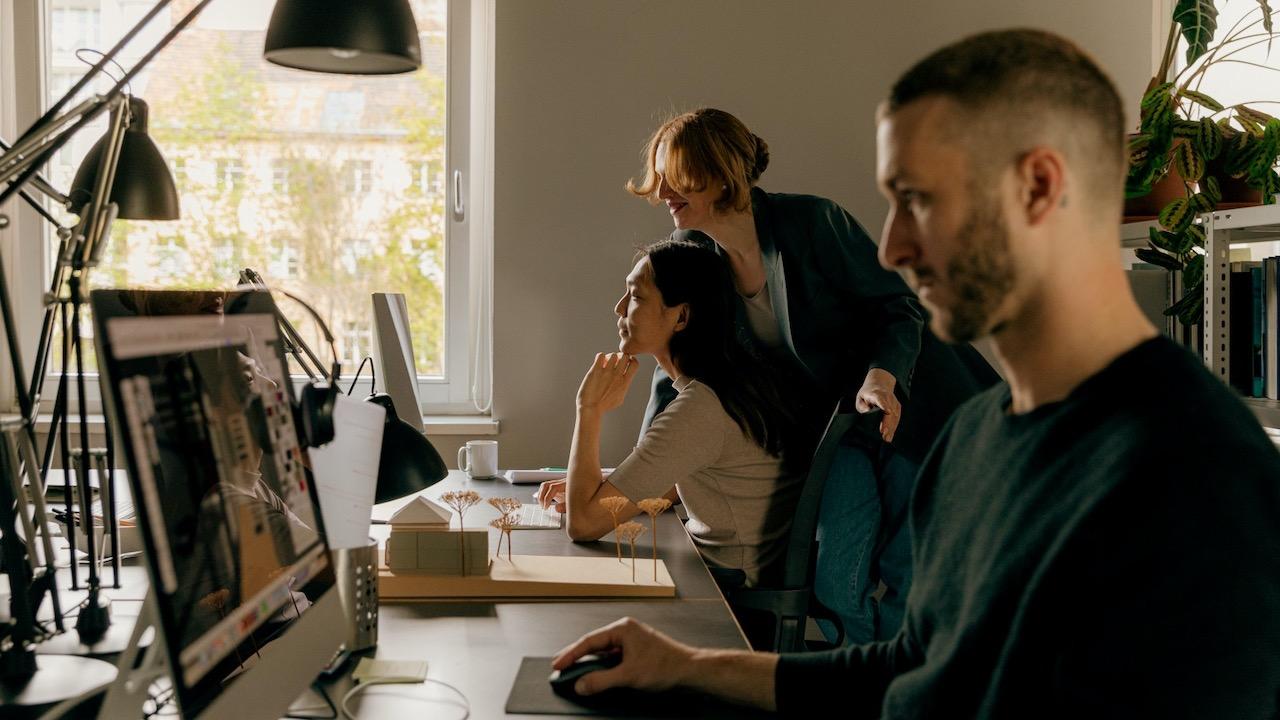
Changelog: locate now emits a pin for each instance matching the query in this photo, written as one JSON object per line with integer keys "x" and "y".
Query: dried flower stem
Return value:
{"x": 654, "y": 507}
{"x": 628, "y": 532}
{"x": 615, "y": 505}
{"x": 461, "y": 501}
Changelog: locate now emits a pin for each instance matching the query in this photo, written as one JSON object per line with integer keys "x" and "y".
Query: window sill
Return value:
{"x": 461, "y": 424}
{"x": 470, "y": 425}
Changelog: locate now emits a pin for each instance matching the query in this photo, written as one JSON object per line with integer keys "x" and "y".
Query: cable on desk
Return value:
{"x": 346, "y": 712}
{"x": 333, "y": 710}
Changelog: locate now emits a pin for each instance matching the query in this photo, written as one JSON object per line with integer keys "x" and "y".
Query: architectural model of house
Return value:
{"x": 423, "y": 541}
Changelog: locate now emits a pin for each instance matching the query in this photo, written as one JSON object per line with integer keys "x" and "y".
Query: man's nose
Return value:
{"x": 898, "y": 246}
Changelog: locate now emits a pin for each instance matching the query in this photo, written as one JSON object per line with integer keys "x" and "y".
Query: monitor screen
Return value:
{"x": 225, "y": 501}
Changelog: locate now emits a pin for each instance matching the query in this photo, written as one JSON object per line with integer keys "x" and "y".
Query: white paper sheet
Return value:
{"x": 346, "y": 471}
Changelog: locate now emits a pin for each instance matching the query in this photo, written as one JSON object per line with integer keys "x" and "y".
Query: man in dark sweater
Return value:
{"x": 1100, "y": 536}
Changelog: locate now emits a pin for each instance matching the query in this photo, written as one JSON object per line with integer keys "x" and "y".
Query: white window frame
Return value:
{"x": 464, "y": 386}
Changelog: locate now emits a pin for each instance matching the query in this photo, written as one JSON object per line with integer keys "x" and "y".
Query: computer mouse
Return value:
{"x": 563, "y": 681}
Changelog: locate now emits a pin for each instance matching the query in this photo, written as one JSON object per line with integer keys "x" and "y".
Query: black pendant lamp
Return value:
{"x": 143, "y": 188}
{"x": 350, "y": 37}
{"x": 409, "y": 461}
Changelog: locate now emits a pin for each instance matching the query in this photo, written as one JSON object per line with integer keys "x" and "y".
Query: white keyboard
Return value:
{"x": 536, "y": 517}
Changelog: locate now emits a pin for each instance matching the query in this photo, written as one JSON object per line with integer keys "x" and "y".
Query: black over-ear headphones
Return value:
{"x": 313, "y": 413}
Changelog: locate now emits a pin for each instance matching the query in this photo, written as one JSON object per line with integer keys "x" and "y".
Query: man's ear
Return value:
{"x": 1042, "y": 180}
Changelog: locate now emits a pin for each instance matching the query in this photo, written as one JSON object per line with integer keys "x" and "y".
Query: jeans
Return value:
{"x": 863, "y": 569}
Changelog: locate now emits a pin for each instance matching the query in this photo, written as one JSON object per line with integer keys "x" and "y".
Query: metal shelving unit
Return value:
{"x": 1222, "y": 229}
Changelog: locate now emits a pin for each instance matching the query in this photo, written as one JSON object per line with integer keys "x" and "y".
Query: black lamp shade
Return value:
{"x": 350, "y": 37}
{"x": 409, "y": 461}
{"x": 143, "y": 188}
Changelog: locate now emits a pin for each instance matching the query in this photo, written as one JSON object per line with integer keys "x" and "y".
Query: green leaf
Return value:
{"x": 1159, "y": 118}
{"x": 1241, "y": 153}
{"x": 1194, "y": 310}
{"x": 1158, "y": 258}
{"x": 1190, "y": 165}
{"x": 1189, "y": 308}
{"x": 1266, "y": 19}
{"x": 1256, "y": 116}
{"x": 1137, "y": 187}
{"x": 1270, "y": 187}
{"x": 1193, "y": 237}
{"x": 1193, "y": 273}
{"x": 1209, "y": 185}
{"x": 1163, "y": 240}
{"x": 1199, "y": 20}
{"x": 1186, "y": 129}
{"x": 1155, "y": 95}
{"x": 1209, "y": 138}
{"x": 1177, "y": 215}
{"x": 1202, "y": 99}
{"x": 1201, "y": 203}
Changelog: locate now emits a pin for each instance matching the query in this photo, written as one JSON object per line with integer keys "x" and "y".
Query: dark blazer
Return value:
{"x": 840, "y": 314}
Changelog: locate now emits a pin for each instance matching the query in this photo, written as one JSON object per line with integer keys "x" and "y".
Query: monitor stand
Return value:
{"x": 127, "y": 693}
{"x": 276, "y": 683}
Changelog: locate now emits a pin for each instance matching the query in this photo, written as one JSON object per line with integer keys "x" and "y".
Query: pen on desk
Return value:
{"x": 555, "y": 469}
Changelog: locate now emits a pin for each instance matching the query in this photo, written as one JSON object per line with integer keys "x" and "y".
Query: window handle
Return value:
{"x": 459, "y": 207}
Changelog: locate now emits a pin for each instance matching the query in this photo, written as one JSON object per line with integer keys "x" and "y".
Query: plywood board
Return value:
{"x": 533, "y": 576}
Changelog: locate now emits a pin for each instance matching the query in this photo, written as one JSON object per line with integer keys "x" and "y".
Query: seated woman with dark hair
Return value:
{"x": 718, "y": 446}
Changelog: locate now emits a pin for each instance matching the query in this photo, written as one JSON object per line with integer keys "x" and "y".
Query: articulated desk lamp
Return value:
{"x": 124, "y": 176}
{"x": 409, "y": 462}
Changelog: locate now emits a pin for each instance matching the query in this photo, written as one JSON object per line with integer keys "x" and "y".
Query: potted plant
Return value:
{"x": 1190, "y": 147}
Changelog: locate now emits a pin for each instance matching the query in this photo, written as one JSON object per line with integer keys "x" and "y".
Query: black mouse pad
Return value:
{"x": 531, "y": 694}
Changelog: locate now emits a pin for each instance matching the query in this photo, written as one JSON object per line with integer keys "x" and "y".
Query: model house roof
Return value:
{"x": 422, "y": 511}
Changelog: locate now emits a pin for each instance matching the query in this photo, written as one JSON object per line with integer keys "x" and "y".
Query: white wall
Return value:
{"x": 580, "y": 84}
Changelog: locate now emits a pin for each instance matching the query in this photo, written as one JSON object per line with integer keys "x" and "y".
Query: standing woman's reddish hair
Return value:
{"x": 702, "y": 148}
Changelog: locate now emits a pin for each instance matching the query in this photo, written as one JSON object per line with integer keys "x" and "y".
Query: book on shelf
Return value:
{"x": 1271, "y": 343}
{"x": 1253, "y": 321}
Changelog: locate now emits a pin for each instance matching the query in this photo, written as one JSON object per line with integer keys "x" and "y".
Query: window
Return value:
{"x": 229, "y": 174}
{"x": 1251, "y": 69}
{"x": 353, "y": 253}
{"x": 280, "y": 176}
{"x": 78, "y": 27}
{"x": 178, "y": 166}
{"x": 428, "y": 177}
{"x": 285, "y": 263}
{"x": 357, "y": 177}
{"x": 262, "y": 154}
{"x": 357, "y": 342}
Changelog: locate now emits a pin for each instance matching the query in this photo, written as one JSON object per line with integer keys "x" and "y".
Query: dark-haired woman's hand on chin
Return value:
{"x": 607, "y": 381}
{"x": 877, "y": 392}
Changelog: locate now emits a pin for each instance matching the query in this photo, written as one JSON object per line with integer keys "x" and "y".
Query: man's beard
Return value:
{"x": 980, "y": 276}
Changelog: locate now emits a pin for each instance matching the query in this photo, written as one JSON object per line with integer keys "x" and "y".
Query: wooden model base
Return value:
{"x": 532, "y": 576}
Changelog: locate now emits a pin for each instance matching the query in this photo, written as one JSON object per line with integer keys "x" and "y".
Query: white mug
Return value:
{"x": 479, "y": 458}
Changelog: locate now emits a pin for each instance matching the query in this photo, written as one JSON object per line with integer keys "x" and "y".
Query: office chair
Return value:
{"x": 792, "y": 602}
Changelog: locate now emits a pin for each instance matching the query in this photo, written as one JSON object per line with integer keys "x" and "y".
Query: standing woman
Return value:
{"x": 813, "y": 296}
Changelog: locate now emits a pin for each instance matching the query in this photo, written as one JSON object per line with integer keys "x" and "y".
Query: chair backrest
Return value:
{"x": 797, "y": 568}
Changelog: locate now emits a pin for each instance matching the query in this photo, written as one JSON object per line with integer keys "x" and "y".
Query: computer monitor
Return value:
{"x": 393, "y": 355}
{"x": 240, "y": 571}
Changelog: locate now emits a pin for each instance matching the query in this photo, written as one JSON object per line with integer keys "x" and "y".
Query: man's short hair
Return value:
{"x": 1021, "y": 88}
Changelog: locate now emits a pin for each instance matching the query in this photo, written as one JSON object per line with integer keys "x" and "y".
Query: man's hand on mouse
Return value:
{"x": 650, "y": 660}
